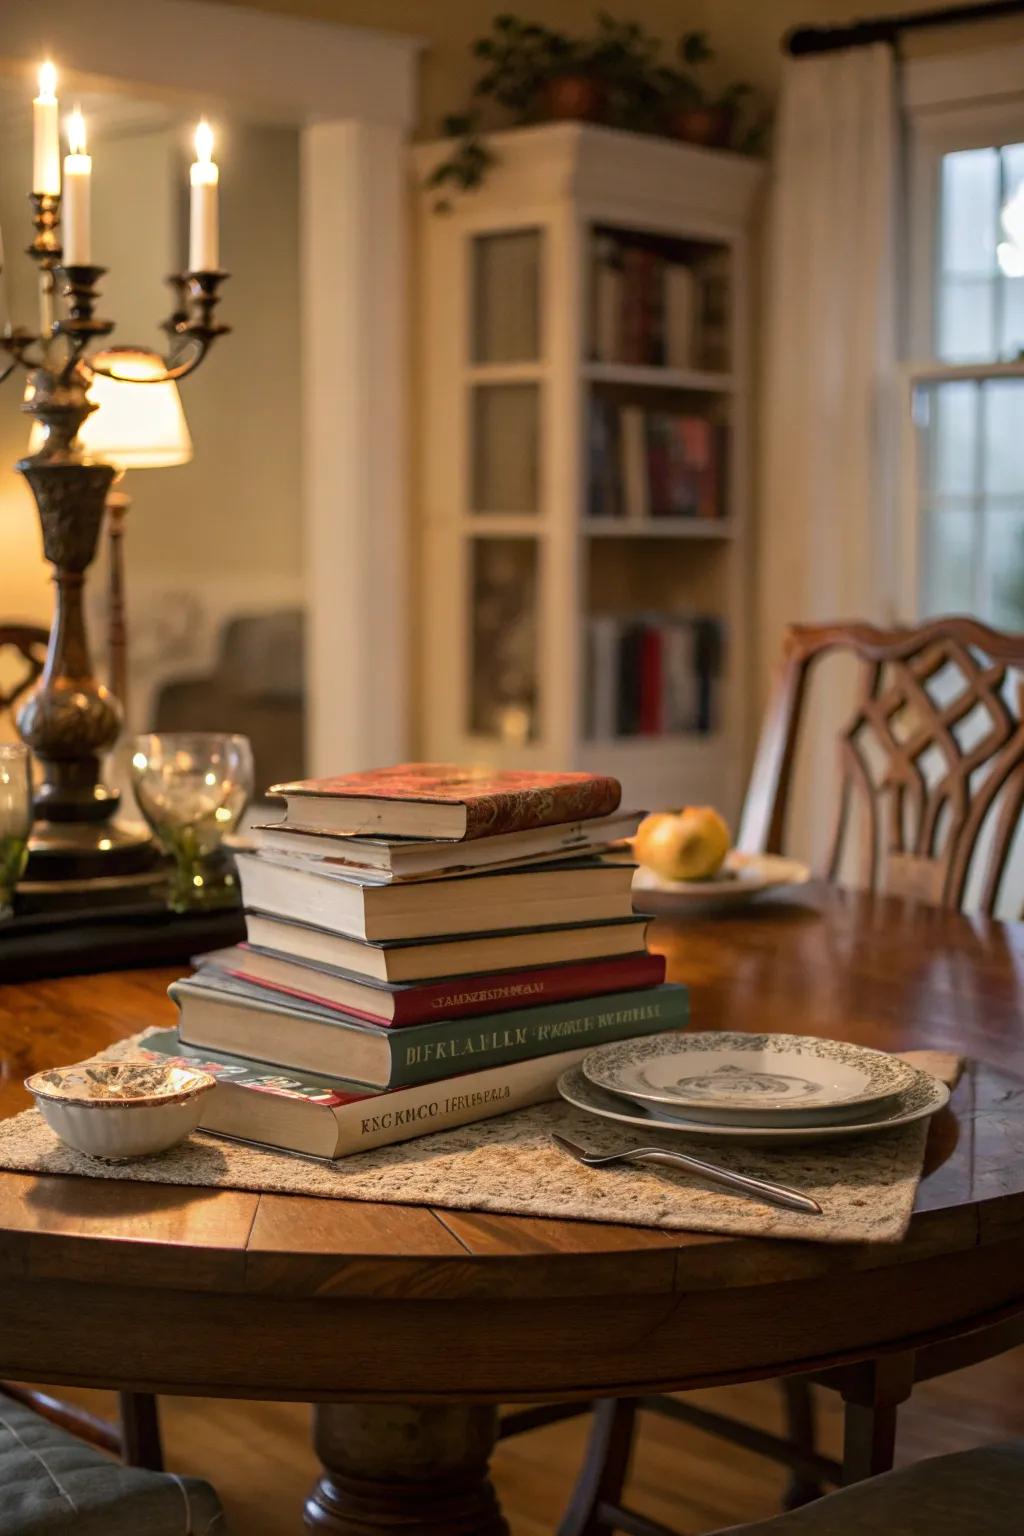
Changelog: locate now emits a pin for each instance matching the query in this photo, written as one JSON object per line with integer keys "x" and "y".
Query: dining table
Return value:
{"x": 407, "y": 1325}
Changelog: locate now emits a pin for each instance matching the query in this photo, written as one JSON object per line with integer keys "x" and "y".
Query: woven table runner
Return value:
{"x": 865, "y": 1186}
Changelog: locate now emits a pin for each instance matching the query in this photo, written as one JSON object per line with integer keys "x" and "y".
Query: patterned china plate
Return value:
{"x": 744, "y": 876}
{"x": 741, "y": 1077}
{"x": 924, "y": 1097}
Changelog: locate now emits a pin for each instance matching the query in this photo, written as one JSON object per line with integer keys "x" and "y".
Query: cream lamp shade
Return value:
{"x": 137, "y": 425}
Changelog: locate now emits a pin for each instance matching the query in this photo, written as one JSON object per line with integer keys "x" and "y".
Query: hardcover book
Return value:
{"x": 453, "y": 955}
{"x": 454, "y": 997}
{"x": 326, "y": 1117}
{"x": 222, "y": 1014}
{"x": 386, "y": 860}
{"x": 582, "y": 891}
{"x": 441, "y": 800}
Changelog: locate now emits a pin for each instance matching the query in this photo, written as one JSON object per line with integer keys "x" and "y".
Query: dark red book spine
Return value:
{"x": 650, "y": 683}
{"x": 463, "y": 997}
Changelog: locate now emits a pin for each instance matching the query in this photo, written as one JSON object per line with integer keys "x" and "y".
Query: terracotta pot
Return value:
{"x": 572, "y": 98}
{"x": 707, "y": 125}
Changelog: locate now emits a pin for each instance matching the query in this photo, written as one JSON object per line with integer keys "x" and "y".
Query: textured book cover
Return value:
{"x": 494, "y": 801}
{"x": 462, "y": 997}
{"x": 225, "y": 1015}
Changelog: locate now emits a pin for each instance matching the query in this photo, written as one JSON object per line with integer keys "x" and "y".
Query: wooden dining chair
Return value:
{"x": 929, "y": 763}
{"x": 930, "y": 759}
{"x": 28, "y": 644}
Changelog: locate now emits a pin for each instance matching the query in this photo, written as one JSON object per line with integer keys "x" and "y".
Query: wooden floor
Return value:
{"x": 259, "y": 1458}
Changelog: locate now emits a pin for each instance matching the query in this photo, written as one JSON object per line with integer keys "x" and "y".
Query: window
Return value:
{"x": 967, "y": 486}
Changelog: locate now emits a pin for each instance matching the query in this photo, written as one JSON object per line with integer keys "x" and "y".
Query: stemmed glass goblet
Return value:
{"x": 192, "y": 787}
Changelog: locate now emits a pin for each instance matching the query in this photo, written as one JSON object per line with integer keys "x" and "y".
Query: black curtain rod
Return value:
{"x": 887, "y": 29}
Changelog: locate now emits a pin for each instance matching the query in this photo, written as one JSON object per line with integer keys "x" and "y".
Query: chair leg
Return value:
{"x": 872, "y": 1394}
{"x": 798, "y": 1403}
{"x": 140, "y": 1431}
{"x": 604, "y": 1470}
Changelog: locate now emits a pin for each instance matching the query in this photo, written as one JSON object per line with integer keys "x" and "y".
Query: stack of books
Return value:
{"x": 426, "y": 946}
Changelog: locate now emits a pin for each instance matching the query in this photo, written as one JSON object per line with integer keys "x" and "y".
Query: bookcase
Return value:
{"x": 583, "y": 378}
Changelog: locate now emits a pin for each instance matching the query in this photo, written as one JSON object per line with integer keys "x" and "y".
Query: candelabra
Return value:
{"x": 70, "y": 719}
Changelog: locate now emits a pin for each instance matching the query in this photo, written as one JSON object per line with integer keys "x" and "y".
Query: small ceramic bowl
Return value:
{"x": 119, "y": 1110}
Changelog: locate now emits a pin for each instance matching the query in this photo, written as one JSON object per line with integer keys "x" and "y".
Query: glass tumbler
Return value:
{"x": 192, "y": 787}
{"x": 16, "y": 817}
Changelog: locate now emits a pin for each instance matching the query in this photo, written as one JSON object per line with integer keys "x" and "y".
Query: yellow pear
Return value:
{"x": 690, "y": 844}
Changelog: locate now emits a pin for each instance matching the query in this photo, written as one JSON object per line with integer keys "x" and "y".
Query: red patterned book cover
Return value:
{"x": 494, "y": 801}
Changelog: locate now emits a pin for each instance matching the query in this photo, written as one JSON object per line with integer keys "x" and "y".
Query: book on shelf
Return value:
{"x": 443, "y": 801}
{"x": 429, "y": 959}
{"x": 386, "y": 860}
{"x": 217, "y": 1012}
{"x": 582, "y": 890}
{"x": 651, "y": 308}
{"x": 398, "y": 1004}
{"x": 648, "y": 464}
{"x": 653, "y": 674}
{"x": 319, "y": 1116}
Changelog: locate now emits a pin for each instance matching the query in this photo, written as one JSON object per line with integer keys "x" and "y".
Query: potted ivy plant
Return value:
{"x": 615, "y": 75}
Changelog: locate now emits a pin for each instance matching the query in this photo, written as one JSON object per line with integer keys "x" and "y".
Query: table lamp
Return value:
{"x": 139, "y": 423}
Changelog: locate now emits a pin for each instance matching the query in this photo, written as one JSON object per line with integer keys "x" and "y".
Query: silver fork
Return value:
{"x": 760, "y": 1189}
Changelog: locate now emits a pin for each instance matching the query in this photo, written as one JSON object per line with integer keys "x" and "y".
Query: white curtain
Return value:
{"x": 826, "y": 528}
{"x": 830, "y": 342}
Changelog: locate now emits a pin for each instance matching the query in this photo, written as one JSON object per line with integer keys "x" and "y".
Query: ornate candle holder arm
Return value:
{"x": 191, "y": 326}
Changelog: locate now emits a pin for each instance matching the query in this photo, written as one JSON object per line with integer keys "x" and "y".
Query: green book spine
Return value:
{"x": 424, "y": 1052}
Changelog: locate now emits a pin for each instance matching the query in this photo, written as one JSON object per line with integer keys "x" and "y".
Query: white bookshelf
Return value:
{"x": 514, "y": 563}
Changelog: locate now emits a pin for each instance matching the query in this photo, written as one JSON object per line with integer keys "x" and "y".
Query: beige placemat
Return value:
{"x": 865, "y": 1187}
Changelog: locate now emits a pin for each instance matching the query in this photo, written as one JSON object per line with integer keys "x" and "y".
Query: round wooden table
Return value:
{"x": 407, "y": 1322}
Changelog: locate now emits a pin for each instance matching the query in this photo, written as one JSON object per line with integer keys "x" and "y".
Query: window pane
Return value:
{"x": 506, "y": 297}
{"x": 503, "y": 639}
{"x": 1003, "y": 413}
{"x": 966, "y": 319}
{"x": 970, "y": 209}
{"x": 506, "y": 448}
{"x": 1011, "y": 327}
{"x": 951, "y": 441}
{"x": 1004, "y": 551}
{"x": 950, "y": 544}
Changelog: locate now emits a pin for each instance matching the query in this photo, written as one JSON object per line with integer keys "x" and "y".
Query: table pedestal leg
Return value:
{"x": 421, "y": 1471}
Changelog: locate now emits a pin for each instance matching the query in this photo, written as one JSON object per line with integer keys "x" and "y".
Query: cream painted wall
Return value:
{"x": 236, "y": 508}
{"x": 745, "y": 33}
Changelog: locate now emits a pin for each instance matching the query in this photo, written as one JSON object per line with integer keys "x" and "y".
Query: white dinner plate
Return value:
{"x": 744, "y": 1078}
{"x": 925, "y": 1096}
{"x": 743, "y": 876}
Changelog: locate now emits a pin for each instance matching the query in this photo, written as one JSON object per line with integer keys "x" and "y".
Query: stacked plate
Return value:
{"x": 771, "y": 1088}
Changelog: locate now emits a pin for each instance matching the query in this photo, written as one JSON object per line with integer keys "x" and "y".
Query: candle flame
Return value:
{"x": 47, "y": 81}
{"x": 204, "y": 142}
{"x": 76, "y": 132}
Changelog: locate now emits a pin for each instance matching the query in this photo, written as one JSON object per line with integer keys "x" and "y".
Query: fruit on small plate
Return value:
{"x": 690, "y": 844}
{"x": 742, "y": 877}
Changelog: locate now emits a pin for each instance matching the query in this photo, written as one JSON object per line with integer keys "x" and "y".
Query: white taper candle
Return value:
{"x": 76, "y": 213}
{"x": 204, "y": 233}
{"x": 46, "y": 134}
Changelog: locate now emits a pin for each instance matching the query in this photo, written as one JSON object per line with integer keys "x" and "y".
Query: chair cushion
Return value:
{"x": 50, "y": 1482}
{"x": 972, "y": 1493}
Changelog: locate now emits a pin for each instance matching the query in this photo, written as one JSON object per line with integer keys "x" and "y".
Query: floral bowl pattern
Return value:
{"x": 119, "y": 1110}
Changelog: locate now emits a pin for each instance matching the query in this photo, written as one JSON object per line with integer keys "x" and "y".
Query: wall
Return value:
{"x": 745, "y": 33}
{"x": 223, "y": 533}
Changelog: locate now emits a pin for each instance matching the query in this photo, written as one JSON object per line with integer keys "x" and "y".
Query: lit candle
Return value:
{"x": 75, "y": 210}
{"x": 46, "y": 134}
{"x": 204, "y": 241}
